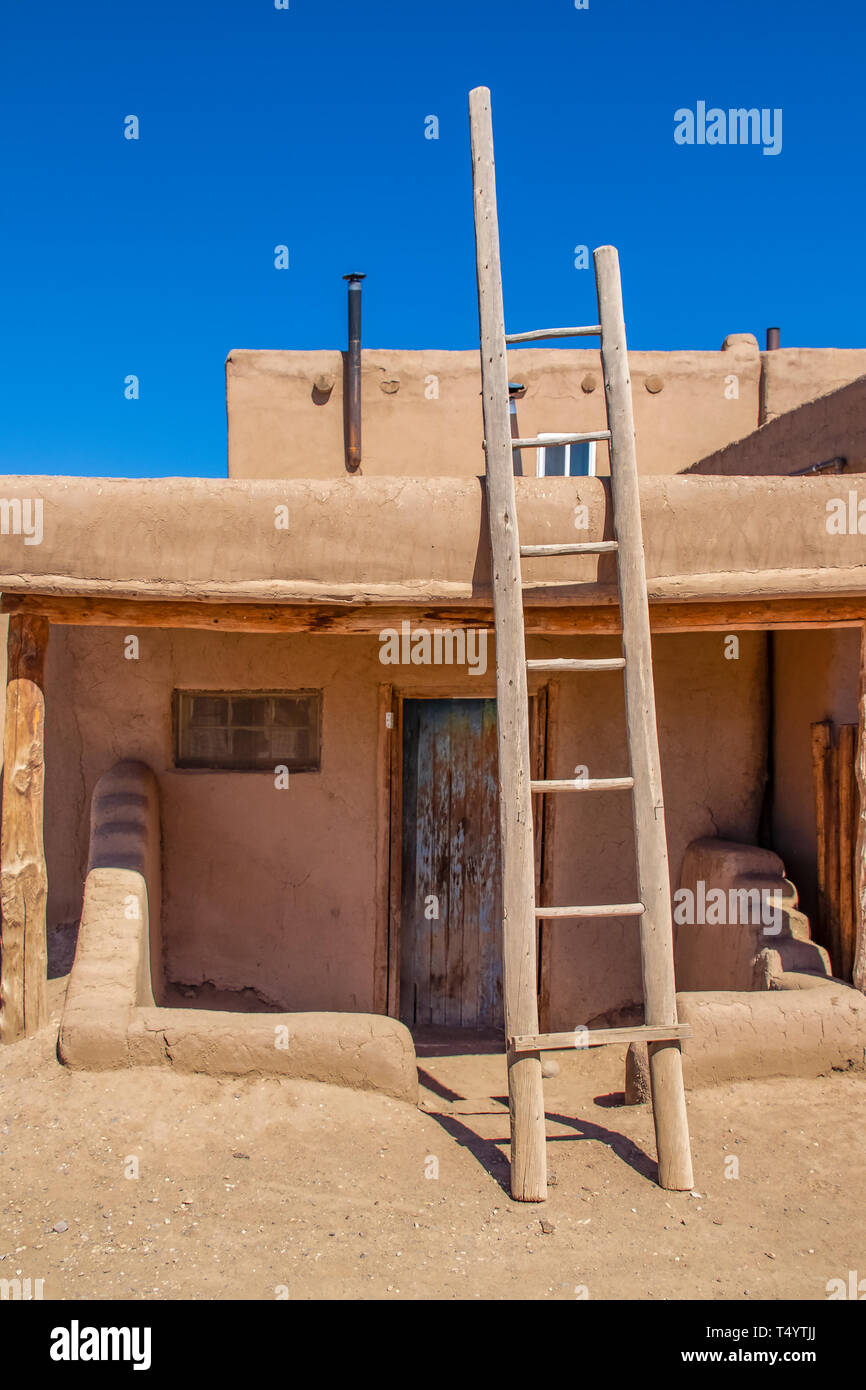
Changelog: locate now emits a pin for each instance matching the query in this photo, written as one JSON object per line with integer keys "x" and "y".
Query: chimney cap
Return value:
{"x": 355, "y": 275}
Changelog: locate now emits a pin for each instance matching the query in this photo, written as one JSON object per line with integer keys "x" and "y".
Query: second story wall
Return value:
{"x": 421, "y": 414}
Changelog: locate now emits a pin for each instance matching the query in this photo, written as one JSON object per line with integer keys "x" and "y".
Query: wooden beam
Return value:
{"x": 561, "y": 619}
{"x": 23, "y": 876}
{"x": 821, "y": 739}
{"x": 847, "y": 835}
{"x": 834, "y": 930}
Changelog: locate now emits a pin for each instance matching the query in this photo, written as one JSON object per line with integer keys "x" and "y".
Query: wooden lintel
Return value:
{"x": 23, "y": 876}
{"x": 728, "y": 615}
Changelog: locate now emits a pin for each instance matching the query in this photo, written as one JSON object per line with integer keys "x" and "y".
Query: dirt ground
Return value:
{"x": 260, "y": 1189}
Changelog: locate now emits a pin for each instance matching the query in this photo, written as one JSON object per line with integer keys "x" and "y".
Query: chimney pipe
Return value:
{"x": 774, "y": 339}
{"x": 352, "y": 393}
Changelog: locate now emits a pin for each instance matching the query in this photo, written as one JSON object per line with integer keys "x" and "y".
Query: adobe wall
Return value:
{"x": 815, "y": 678}
{"x": 712, "y": 731}
{"x": 791, "y": 376}
{"x": 833, "y": 426}
{"x": 276, "y": 890}
{"x": 421, "y": 411}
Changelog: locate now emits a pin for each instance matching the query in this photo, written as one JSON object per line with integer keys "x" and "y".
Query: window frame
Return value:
{"x": 181, "y": 693}
{"x": 556, "y": 439}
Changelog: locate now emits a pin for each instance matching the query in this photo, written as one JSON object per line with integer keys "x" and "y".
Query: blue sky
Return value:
{"x": 306, "y": 127}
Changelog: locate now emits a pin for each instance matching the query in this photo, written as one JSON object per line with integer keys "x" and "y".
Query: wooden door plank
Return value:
{"x": 439, "y": 829}
{"x": 459, "y": 810}
{"x": 490, "y": 997}
{"x": 462, "y": 946}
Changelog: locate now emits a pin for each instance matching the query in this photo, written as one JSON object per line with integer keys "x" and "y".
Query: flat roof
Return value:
{"x": 371, "y": 541}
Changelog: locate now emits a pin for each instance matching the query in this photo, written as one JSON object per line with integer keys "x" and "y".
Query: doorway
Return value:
{"x": 451, "y": 895}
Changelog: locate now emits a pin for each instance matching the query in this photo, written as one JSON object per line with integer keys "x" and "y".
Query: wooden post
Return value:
{"x": 821, "y": 738}
{"x": 657, "y": 957}
{"x": 859, "y": 972}
{"x": 833, "y": 862}
{"x": 847, "y": 833}
{"x": 23, "y": 876}
{"x": 526, "y": 1099}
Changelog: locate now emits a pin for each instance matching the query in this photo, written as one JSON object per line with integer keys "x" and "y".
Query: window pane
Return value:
{"x": 292, "y": 711}
{"x": 250, "y": 748}
{"x": 207, "y": 710}
{"x": 248, "y": 712}
{"x": 208, "y": 745}
{"x": 580, "y": 459}
{"x": 554, "y": 460}
{"x": 287, "y": 744}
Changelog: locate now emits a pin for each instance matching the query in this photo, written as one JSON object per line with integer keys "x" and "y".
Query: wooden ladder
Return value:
{"x": 661, "y": 1032}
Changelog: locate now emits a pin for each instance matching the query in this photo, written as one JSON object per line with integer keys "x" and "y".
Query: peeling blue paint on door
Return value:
{"x": 451, "y": 918}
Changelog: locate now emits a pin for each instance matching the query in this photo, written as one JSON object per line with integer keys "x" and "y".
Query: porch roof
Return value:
{"x": 414, "y": 542}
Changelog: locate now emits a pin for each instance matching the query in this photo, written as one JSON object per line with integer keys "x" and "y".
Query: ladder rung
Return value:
{"x": 596, "y": 910}
{"x": 529, "y": 552}
{"x": 600, "y": 1037}
{"x": 586, "y": 784}
{"x": 560, "y": 663}
{"x": 542, "y": 443}
{"x": 592, "y": 330}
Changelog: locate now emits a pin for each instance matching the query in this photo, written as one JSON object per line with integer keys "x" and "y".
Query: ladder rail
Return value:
{"x": 656, "y": 928}
{"x": 526, "y": 1096}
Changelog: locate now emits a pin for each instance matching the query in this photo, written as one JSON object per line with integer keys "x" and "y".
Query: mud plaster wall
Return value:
{"x": 712, "y": 730}
{"x": 275, "y": 890}
{"x": 421, "y": 411}
{"x": 815, "y": 679}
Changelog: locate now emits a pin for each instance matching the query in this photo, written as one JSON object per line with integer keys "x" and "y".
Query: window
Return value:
{"x": 565, "y": 460}
{"x": 248, "y": 731}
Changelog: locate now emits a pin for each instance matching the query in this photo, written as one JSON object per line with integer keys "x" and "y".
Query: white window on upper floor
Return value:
{"x": 557, "y": 460}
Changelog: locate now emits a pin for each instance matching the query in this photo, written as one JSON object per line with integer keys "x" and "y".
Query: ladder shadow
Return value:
{"x": 625, "y": 1149}
{"x": 488, "y": 1152}
{"x": 485, "y": 1151}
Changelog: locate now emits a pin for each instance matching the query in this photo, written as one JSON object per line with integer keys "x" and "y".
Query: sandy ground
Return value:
{"x": 258, "y": 1189}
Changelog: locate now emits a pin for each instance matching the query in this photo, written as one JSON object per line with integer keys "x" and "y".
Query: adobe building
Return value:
{"x": 280, "y": 783}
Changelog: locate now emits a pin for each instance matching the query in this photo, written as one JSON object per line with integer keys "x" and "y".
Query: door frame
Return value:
{"x": 389, "y": 885}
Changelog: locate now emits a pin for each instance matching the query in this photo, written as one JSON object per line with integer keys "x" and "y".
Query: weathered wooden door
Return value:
{"x": 451, "y": 918}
